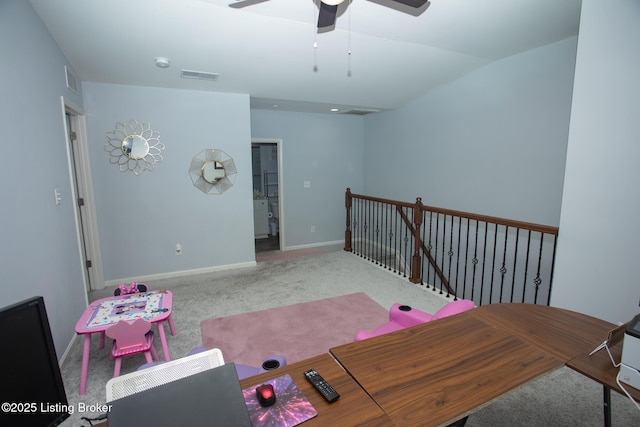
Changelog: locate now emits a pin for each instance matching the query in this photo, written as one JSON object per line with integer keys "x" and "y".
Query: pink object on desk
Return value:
{"x": 154, "y": 307}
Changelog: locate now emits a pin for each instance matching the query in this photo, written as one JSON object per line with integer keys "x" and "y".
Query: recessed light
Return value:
{"x": 162, "y": 62}
{"x": 334, "y": 110}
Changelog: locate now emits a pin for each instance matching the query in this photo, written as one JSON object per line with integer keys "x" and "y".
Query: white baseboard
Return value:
{"x": 313, "y": 245}
{"x": 171, "y": 275}
{"x": 67, "y": 350}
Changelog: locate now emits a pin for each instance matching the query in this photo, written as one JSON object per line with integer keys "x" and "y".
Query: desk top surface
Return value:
{"x": 354, "y": 408}
{"x": 439, "y": 372}
{"x": 562, "y": 333}
{"x": 599, "y": 367}
{"x": 154, "y": 306}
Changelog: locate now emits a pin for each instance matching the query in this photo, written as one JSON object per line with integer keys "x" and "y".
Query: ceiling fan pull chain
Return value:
{"x": 349, "y": 47}
{"x": 315, "y": 40}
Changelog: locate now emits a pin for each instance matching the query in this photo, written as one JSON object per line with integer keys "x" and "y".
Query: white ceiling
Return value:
{"x": 266, "y": 50}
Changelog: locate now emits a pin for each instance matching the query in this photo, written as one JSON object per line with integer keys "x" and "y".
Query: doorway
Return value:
{"x": 266, "y": 165}
{"x": 82, "y": 189}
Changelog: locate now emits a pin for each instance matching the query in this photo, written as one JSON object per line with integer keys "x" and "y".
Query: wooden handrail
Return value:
{"x": 468, "y": 215}
{"x": 420, "y": 249}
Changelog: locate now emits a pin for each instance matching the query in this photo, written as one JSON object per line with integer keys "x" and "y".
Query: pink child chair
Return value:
{"x": 131, "y": 338}
{"x": 403, "y": 316}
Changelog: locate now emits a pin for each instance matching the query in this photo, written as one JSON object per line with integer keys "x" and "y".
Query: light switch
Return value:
{"x": 307, "y": 184}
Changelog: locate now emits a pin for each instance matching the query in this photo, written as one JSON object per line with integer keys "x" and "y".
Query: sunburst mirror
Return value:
{"x": 134, "y": 147}
{"x": 212, "y": 171}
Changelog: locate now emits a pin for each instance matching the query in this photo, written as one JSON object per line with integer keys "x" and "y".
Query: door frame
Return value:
{"x": 87, "y": 226}
{"x": 279, "y": 144}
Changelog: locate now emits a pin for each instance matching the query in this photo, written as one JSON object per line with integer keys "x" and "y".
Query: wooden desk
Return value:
{"x": 441, "y": 371}
{"x": 354, "y": 408}
{"x": 562, "y": 333}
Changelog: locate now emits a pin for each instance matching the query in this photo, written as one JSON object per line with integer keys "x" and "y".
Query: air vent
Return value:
{"x": 200, "y": 75}
{"x": 360, "y": 111}
{"x": 72, "y": 81}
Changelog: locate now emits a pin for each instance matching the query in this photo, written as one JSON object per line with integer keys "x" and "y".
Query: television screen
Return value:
{"x": 31, "y": 390}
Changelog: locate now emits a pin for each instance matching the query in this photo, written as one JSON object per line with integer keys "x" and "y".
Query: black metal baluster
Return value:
{"x": 493, "y": 261}
{"x": 458, "y": 260}
{"x": 450, "y": 252}
{"x": 474, "y": 261}
{"x": 429, "y": 247}
{"x": 425, "y": 264}
{"x": 435, "y": 257}
{"x": 515, "y": 264}
{"x": 466, "y": 263}
{"x": 537, "y": 281}
{"x": 484, "y": 260}
{"x": 503, "y": 268}
{"x": 553, "y": 266}
{"x": 526, "y": 268}
{"x": 407, "y": 255}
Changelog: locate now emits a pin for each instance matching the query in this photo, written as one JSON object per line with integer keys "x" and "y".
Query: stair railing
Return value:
{"x": 458, "y": 254}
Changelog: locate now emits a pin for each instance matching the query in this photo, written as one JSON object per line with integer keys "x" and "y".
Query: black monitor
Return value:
{"x": 31, "y": 388}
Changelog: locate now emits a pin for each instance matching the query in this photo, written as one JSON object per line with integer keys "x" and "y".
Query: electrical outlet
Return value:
{"x": 178, "y": 249}
{"x": 313, "y": 228}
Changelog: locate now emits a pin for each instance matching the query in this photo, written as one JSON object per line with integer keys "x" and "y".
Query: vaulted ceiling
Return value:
{"x": 378, "y": 56}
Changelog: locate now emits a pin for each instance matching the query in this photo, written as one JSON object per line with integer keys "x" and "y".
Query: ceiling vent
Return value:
{"x": 199, "y": 75}
{"x": 360, "y": 111}
{"x": 72, "y": 80}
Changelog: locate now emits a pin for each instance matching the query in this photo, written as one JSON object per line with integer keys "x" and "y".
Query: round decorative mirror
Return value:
{"x": 134, "y": 147}
{"x": 212, "y": 171}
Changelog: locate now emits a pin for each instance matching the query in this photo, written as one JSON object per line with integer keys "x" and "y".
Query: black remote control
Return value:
{"x": 321, "y": 385}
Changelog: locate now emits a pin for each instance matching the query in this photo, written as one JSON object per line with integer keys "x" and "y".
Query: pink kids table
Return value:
{"x": 154, "y": 306}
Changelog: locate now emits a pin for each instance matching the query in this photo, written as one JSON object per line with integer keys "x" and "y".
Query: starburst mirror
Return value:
{"x": 134, "y": 147}
{"x": 212, "y": 171}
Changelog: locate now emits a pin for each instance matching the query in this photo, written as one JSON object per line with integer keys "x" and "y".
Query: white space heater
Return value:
{"x": 163, "y": 373}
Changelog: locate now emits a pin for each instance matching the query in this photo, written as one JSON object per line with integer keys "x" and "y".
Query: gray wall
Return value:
{"x": 325, "y": 150}
{"x": 597, "y": 265}
{"x": 39, "y": 254}
{"x": 492, "y": 142}
{"x": 142, "y": 217}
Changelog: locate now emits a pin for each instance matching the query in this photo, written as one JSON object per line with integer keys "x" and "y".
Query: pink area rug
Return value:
{"x": 288, "y": 255}
{"x": 296, "y": 331}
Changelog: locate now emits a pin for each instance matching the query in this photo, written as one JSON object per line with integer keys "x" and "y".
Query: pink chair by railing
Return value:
{"x": 129, "y": 339}
{"x": 404, "y": 316}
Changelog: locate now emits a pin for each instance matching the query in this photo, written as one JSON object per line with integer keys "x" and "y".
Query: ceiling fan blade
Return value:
{"x": 327, "y": 15}
{"x": 412, "y": 3}
{"x": 244, "y": 3}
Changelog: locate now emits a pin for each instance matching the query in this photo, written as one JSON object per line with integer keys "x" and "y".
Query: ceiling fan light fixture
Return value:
{"x": 332, "y": 2}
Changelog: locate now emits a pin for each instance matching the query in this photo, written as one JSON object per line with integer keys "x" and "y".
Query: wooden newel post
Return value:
{"x": 347, "y": 232}
{"x": 417, "y": 242}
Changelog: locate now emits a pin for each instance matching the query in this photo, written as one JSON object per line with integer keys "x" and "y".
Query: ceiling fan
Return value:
{"x": 329, "y": 8}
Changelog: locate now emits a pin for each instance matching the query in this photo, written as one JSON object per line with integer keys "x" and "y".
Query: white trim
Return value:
{"x": 84, "y": 177}
{"x": 67, "y": 351}
{"x": 313, "y": 245}
{"x": 174, "y": 274}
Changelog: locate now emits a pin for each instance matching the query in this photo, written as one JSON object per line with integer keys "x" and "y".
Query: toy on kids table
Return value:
{"x": 133, "y": 288}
